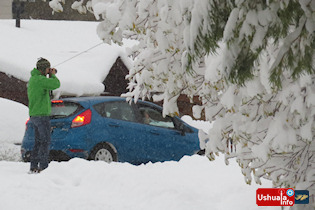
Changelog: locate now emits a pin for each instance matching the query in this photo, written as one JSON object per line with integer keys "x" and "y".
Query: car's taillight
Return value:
{"x": 82, "y": 119}
{"x": 57, "y": 101}
{"x": 26, "y": 123}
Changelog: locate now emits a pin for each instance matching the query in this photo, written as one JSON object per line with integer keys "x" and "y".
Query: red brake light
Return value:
{"x": 57, "y": 101}
{"x": 82, "y": 119}
{"x": 26, "y": 123}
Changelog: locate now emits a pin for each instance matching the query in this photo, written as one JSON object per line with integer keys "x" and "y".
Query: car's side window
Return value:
{"x": 154, "y": 117}
{"x": 116, "y": 110}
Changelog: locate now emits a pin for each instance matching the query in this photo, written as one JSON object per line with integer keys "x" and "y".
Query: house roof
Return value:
{"x": 88, "y": 60}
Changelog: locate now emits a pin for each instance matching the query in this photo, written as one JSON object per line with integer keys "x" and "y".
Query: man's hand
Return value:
{"x": 52, "y": 71}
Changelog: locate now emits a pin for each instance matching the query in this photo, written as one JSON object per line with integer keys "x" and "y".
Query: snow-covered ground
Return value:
{"x": 193, "y": 183}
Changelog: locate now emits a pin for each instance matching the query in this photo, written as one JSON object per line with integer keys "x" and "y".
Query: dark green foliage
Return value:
{"x": 298, "y": 56}
{"x": 305, "y": 62}
{"x": 243, "y": 68}
{"x": 295, "y": 60}
{"x": 208, "y": 42}
{"x": 288, "y": 16}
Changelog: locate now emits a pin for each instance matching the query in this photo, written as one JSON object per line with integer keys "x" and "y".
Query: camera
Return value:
{"x": 51, "y": 70}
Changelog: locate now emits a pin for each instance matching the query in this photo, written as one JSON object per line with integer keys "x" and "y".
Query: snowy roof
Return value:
{"x": 59, "y": 41}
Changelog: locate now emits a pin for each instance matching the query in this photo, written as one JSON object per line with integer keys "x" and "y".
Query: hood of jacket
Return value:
{"x": 35, "y": 72}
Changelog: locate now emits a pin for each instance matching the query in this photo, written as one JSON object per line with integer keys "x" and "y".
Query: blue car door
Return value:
{"x": 116, "y": 123}
{"x": 160, "y": 139}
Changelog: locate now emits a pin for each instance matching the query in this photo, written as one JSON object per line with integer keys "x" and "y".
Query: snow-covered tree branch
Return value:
{"x": 251, "y": 63}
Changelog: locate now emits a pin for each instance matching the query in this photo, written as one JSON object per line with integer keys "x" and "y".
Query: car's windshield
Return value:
{"x": 60, "y": 109}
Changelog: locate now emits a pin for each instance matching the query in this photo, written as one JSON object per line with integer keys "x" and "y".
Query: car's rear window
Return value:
{"x": 119, "y": 110}
{"x": 61, "y": 109}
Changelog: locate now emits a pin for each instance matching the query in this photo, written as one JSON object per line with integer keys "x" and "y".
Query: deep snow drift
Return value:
{"x": 192, "y": 183}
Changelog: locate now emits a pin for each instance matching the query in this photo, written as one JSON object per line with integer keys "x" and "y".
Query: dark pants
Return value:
{"x": 40, "y": 153}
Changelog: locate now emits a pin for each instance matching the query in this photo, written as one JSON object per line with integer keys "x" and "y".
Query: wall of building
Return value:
{"x": 5, "y": 9}
{"x": 13, "y": 89}
{"x": 38, "y": 9}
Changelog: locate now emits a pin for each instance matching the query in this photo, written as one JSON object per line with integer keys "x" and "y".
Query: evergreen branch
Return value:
{"x": 287, "y": 43}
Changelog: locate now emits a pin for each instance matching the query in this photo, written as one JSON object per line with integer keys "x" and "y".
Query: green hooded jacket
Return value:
{"x": 38, "y": 93}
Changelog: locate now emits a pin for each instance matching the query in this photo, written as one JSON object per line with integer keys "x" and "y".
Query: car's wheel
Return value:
{"x": 103, "y": 152}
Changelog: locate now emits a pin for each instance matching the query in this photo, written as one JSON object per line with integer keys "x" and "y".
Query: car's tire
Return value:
{"x": 201, "y": 152}
{"x": 103, "y": 152}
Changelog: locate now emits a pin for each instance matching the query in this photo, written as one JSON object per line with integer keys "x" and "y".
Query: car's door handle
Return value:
{"x": 155, "y": 132}
{"x": 113, "y": 125}
{"x": 176, "y": 133}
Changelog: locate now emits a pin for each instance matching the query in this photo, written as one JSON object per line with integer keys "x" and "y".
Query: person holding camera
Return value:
{"x": 39, "y": 104}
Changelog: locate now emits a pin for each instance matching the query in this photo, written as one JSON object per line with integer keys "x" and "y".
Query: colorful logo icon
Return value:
{"x": 290, "y": 192}
{"x": 275, "y": 197}
{"x": 301, "y": 197}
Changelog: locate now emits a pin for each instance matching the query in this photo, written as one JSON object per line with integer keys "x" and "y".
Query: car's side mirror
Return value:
{"x": 182, "y": 129}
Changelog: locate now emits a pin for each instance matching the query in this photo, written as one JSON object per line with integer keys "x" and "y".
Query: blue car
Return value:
{"x": 111, "y": 129}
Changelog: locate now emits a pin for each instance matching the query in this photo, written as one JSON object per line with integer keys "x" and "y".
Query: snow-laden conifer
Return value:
{"x": 251, "y": 63}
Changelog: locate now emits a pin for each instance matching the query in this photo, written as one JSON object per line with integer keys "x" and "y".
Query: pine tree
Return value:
{"x": 264, "y": 102}
{"x": 251, "y": 63}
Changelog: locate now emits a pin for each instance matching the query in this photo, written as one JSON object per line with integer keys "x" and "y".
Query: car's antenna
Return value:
{"x": 78, "y": 54}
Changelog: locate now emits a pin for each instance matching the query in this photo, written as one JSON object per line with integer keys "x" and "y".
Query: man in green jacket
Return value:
{"x": 39, "y": 104}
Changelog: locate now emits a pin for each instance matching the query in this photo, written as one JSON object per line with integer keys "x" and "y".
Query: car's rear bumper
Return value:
{"x": 54, "y": 155}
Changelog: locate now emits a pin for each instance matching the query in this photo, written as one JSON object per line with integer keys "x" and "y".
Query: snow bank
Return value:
{"x": 13, "y": 117}
{"x": 193, "y": 183}
{"x": 12, "y": 126}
